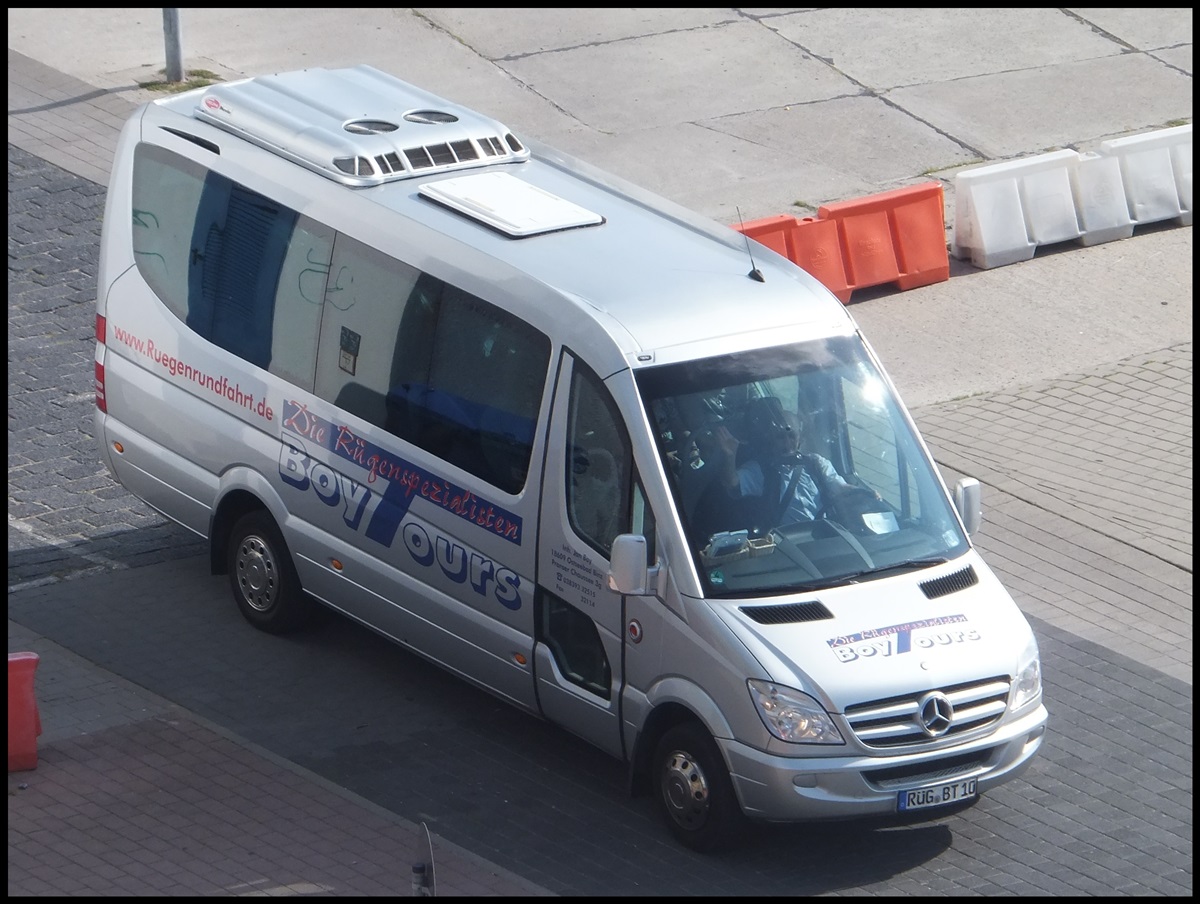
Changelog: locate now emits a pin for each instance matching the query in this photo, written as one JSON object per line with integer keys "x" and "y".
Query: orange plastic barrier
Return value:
{"x": 774, "y": 232}
{"x": 24, "y": 723}
{"x": 896, "y": 236}
{"x": 893, "y": 237}
{"x": 809, "y": 243}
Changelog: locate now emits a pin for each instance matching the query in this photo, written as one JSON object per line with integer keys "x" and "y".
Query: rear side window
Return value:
{"x": 242, "y": 271}
{"x": 166, "y": 197}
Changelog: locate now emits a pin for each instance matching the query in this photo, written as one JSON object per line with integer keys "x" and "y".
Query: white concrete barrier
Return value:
{"x": 1004, "y": 211}
{"x": 1156, "y": 169}
{"x": 1100, "y": 199}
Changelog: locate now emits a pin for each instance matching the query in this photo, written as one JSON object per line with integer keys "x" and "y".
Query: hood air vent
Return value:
{"x": 359, "y": 126}
{"x": 787, "y": 614}
{"x": 951, "y": 583}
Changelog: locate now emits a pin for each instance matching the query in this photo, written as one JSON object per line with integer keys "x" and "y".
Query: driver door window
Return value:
{"x": 598, "y": 478}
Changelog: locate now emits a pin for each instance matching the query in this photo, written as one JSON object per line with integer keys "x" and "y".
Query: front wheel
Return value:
{"x": 693, "y": 790}
{"x": 264, "y": 580}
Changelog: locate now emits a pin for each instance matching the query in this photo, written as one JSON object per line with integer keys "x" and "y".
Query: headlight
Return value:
{"x": 793, "y": 716}
{"x": 1029, "y": 678}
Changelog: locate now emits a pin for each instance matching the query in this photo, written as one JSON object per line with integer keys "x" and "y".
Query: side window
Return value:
{"x": 229, "y": 262}
{"x": 238, "y": 247}
{"x": 598, "y": 480}
{"x": 431, "y": 364}
{"x": 575, "y": 644}
{"x": 299, "y": 298}
{"x": 485, "y": 384}
{"x": 365, "y": 298}
{"x": 166, "y": 196}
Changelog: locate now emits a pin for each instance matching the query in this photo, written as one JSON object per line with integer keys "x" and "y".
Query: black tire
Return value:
{"x": 263, "y": 577}
{"x": 693, "y": 791}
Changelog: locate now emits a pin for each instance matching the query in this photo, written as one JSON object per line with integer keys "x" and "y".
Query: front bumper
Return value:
{"x": 792, "y": 789}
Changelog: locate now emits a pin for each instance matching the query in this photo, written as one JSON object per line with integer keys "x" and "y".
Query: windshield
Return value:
{"x": 794, "y": 469}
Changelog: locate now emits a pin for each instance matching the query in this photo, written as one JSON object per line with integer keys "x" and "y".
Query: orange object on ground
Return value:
{"x": 811, "y": 244}
{"x": 892, "y": 237}
{"x": 774, "y": 232}
{"x": 24, "y": 723}
{"x": 896, "y": 236}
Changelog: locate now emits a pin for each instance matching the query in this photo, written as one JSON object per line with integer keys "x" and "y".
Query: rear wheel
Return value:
{"x": 693, "y": 790}
{"x": 264, "y": 580}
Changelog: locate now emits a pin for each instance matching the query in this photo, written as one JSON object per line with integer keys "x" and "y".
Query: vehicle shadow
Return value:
{"x": 36, "y": 560}
{"x": 371, "y": 717}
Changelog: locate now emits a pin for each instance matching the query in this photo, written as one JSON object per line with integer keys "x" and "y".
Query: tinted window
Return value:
{"x": 598, "y": 481}
{"x": 243, "y": 271}
{"x": 166, "y": 196}
{"x": 431, "y": 364}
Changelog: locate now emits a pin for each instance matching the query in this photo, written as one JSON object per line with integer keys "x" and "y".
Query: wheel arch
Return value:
{"x": 242, "y": 490}
{"x": 673, "y": 701}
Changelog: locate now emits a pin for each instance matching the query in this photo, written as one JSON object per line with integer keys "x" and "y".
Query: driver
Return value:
{"x": 801, "y": 483}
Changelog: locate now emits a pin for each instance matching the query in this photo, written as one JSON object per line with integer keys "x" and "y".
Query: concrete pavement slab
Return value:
{"x": 514, "y": 33}
{"x": 754, "y": 94}
{"x": 1073, "y": 309}
{"x": 888, "y": 49}
{"x": 1156, "y": 30}
{"x": 1073, "y": 104}
{"x": 710, "y": 71}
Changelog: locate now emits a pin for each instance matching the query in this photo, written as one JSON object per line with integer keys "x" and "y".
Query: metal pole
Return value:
{"x": 420, "y": 882}
{"x": 172, "y": 39}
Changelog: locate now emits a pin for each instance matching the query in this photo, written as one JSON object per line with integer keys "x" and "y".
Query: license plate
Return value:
{"x": 937, "y": 796}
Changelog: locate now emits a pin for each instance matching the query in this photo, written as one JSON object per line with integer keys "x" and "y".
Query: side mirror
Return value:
{"x": 628, "y": 572}
{"x": 968, "y": 495}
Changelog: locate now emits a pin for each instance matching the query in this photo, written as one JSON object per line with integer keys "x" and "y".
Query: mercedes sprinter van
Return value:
{"x": 560, "y": 436}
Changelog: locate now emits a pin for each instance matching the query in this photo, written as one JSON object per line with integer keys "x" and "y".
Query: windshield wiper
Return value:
{"x": 907, "y": 565}
{"x": 813, "y": 586}
{"x": 855, "y": 577}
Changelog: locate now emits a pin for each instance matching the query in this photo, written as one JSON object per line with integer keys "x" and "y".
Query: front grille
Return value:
{"x": 946, "y": 769}
{"x": 895, "y": 721}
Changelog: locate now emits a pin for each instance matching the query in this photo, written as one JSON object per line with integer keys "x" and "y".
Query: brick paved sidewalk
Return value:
{"x": 132, "y": 795}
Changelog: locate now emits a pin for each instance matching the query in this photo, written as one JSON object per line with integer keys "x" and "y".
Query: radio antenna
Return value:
{"x": 755, "y": 274}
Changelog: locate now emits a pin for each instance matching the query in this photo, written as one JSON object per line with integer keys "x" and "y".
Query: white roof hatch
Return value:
{"x": 511, "y": 205}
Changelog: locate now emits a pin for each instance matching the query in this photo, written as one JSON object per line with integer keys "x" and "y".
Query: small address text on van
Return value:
{"x": 220, "y": 386}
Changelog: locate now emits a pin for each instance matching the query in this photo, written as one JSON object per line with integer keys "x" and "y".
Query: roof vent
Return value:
{"x": 508, "y": 204}
{"x": 430, "y": 117}
{"x": 359, "y": 126}
{"x": 370, "y": 127}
